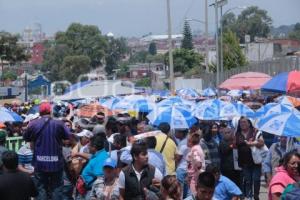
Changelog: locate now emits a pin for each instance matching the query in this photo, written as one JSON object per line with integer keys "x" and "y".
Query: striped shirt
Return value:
{"x": 47, "y": 155}
{"x": 25, "y": 156}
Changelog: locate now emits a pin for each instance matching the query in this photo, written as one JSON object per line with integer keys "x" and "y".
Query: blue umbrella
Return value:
{"x": 9, "y": 116}
{"x": 109, "y": 102}
{"x": 176, "y": 100}
{"x": 234, "y": 109}
{"x": 283, "y": 124}
{"x": 143, "y": 105}
{"x": 177, "y": 117}
{"x": 272, "y": 108}
{"x": 208, "y": 92}
{"x": 219, "y": 110}
{"x": 138, "y": 103}
{"x": 187, "y": 92}
{"x": 209, "y": 109}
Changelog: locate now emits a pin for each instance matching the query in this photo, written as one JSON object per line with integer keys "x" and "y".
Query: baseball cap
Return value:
{"x": 85, "y": 133}
{"x": 2, "y": 134}
{"x": 109, "y": 162}
{"x": 45, "y": 108}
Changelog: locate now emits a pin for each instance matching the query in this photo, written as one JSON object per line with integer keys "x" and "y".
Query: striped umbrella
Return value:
{"x": 208, "y": 92}
{"x": 187, "y": 92}
{"x": 272, "y": 108}
{"x": 209, "y": 109}
{"x": 176, "y": 100}
{"x": 109, "y": 102}
{"x": 177, "y": 117}
{"x": 220, "y": 110}
{"x": 282, "y": 124}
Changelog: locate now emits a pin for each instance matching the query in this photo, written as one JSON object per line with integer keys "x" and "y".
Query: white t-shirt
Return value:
{"x": 157, "y": 175}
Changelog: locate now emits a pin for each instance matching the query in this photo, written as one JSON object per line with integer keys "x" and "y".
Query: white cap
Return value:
{"x": 85, "y": 133}
{"x": 31, "y": 117}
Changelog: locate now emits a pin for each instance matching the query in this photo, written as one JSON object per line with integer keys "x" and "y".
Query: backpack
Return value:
{"x": 294, "y": 194}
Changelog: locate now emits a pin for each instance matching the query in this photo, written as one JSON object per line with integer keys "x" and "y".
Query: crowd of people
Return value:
{"x": 101, "y": 159}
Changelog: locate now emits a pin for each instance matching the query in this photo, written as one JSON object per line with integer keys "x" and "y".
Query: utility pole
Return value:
{"x": 171, "y": 67}
{"x": 26, "y": 87}
{"x": 221, "y": 42}
{"x": 217, "y": 43}
{"x": 206, "y": 37}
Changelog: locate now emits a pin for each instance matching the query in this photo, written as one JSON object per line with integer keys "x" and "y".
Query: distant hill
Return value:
{"x": 282, "y": 31}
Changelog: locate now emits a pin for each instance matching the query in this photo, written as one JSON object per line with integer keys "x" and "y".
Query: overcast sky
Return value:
{"x": 128, "y": 17}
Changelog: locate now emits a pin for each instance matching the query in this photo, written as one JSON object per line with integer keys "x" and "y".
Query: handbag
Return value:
{"x": 80, "y": 186}
{"x": 258, "y": 154}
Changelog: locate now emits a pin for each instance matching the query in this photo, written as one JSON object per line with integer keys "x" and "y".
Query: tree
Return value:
{"x": 73, "y": 66}
{"x": 144, "y": 82}
{"x": 84, "y": 40}
{"x": 139, "y": 56}
{"x": 229, "y": 22}
{"x": 187, "y": 41}
{"x": 117, "y": 48}
{"x": 10, "y": 50}
{"x": 295, "y": 34}
{"x": 152, "y": 48}
{"x": 53, "y": 60}
{"x": 9, "y": 75}
{"x": 185, "y": 60}
{"x": 254, "y": 22}
{"x": 232, "y": 54}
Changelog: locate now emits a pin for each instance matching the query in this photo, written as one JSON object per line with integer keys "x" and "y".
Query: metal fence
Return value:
{"x": 270, "y": 67}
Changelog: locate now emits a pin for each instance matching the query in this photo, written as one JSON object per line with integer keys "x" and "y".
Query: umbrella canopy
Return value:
{"x": 272, "y": 108}
{"x": 245, "y": 81}
{"x": 138, "y": 103}
{"x": 220, "y": 110}
{"x": 91, "y": 110}
{"x": 187, "y": 92}
{"x": 143, "y": 105}
{"x": 284, "y": 124}
{"x": 9, "y": 116}
{"x": 176, "y": 100}
{"x": 109, "y": 102}
{"x": 177, "y": 117}
{"x": 209, "y": 109}
{"x": 287, "y": 100}
{"x": 286, "y": 83}
{"x": 208, "y": 92}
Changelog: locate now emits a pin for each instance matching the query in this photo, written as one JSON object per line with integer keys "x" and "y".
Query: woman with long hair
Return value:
{"x": 245, "y": 139}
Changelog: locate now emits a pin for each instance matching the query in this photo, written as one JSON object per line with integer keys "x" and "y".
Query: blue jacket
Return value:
{"x": 94, "y": 167}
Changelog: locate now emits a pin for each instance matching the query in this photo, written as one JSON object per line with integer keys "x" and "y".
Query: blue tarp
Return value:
{"x": 277, "y": 84}
{"x": 38, "y": 82}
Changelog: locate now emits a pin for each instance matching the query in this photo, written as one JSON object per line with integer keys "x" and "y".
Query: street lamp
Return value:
{"x": 206, "y": 42}
{"x": 221, "y": 32}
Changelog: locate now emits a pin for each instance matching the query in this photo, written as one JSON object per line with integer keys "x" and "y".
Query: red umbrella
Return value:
{"x": 245, "y": 81}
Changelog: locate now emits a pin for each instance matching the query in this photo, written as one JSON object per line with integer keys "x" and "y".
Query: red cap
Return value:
{"x": 45, "y": 108}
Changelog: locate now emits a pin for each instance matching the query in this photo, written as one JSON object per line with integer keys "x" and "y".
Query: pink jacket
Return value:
{"x": 196, "y": 164}
{"x": 279, "y": 181}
